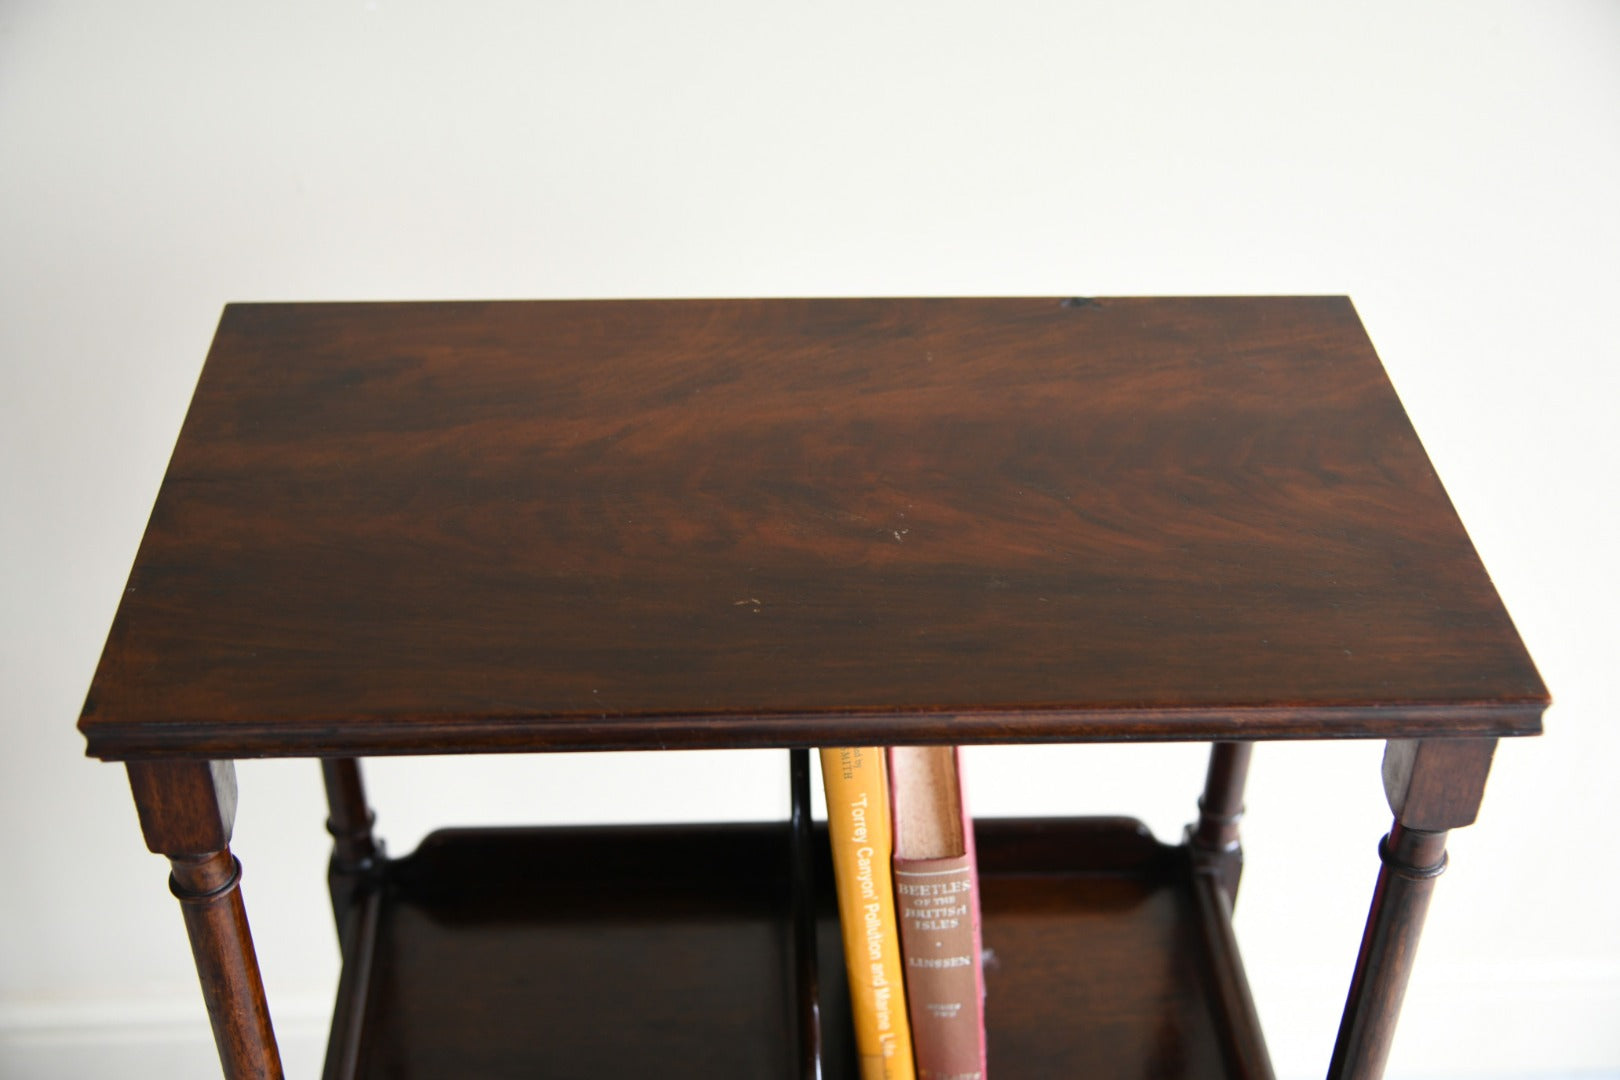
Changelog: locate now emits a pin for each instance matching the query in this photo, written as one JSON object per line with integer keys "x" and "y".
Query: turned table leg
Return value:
{"x": 1433, "y": 786}
{"x": 1216, "y": 851}
{"x": 801, "y": 878}
{"x": 356, "y": 854}
{"x": 187, "y": 810}
{"x": 1215, "y": 842}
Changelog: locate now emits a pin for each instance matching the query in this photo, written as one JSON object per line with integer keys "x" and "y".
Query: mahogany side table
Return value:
{"x": 569, "y": 526}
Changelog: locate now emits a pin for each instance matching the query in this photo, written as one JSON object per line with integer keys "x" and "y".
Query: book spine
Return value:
{"x": 940, "y": 935}
{"x": 858, "y": 827}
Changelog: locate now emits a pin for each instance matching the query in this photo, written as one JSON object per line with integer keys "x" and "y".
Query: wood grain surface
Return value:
{"x": 495, "y": 958}
{"x": 404, "y": 528}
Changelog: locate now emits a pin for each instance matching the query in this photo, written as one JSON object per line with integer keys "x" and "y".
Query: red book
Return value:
{"x": 936, "y": 885}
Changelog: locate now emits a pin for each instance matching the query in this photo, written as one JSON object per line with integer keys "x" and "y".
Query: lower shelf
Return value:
{"x": 668, "y": 952}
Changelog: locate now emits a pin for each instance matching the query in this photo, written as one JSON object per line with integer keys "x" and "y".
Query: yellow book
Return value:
{"x": 857, "y": 782}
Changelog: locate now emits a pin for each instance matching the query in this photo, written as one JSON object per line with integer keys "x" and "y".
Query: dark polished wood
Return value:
{"x": 185, "y": 807}
{"x": 588, "y": 952}
{"x": 1436, "y": 784}
{"x": 187, "y": 810}
{"x": 358, "y": 941}
{"x": 1239, "y": 1022}
{"x": 667, "y": 960}
{"x": 355, "y": 851}
{"x": 1411, "y": 862}
{"x": 480, "y": 527}
{"x": 405, "y": 528}
{"x": 1433, "y": 787}
{"x": 207, "y": 887}
{"x": 349, "y": 817}
{"x": 1215, "y": 840}
{"x": 802, "y": 883}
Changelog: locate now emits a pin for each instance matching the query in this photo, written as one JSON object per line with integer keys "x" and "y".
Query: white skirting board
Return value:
{"x": 144, "y": 1039}
{"x": 1572, "y": 1036}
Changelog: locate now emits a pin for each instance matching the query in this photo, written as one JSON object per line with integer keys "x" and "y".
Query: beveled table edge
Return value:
{"x": 443, "y": 734}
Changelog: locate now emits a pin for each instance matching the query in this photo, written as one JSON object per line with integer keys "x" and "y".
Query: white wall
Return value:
{"x": 1453, "y": 167}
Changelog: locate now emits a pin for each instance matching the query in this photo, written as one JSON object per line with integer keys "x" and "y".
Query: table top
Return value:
{"x": 464, "y": 527}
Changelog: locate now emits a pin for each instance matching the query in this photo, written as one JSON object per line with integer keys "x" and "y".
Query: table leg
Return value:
{"x": 801, "y": 877}
{"x": 356, "y": 855}
{"x": 187, "y": 810}
{"x": 1214, "y": 842}
{"x": 1433, "y": 786}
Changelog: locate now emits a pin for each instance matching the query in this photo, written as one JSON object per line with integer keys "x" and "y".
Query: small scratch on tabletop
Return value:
{"x": 751, "y": 601}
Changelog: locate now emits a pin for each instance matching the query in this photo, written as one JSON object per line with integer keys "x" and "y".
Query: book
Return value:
{"x": 936, "y": 882}
{"x": 858, "y": 828}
